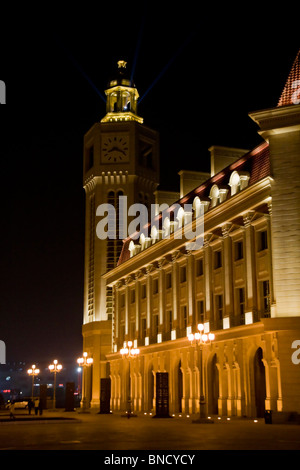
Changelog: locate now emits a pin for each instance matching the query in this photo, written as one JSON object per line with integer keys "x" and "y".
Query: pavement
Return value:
{"x": 61, "y": 430}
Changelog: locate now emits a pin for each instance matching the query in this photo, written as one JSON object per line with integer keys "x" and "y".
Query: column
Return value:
{"x": 161, "y": 292}
{"x": 251, "y": 295}
{"x": 127, "y": 300}
{"x": 207, "y": 281}
{"x": 228, "y": 284}
{"x": 117, "y": 286}
{"x": 137, "y": 303}
{"x": 175, "y": 288}
{"x": 191, "y": 288}
{"x": 149, "y": 269}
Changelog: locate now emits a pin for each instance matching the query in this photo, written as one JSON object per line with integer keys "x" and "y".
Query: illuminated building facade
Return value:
{"x": 242, "y": 283}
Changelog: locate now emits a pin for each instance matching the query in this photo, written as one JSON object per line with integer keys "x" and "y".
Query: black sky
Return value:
{"x": 218, "y": 65}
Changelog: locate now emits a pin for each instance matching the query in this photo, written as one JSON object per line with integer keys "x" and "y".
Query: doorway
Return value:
{"x": 180, "y": 388}
{"x": 259, "y": 383}
{"x": 213, "y": 386}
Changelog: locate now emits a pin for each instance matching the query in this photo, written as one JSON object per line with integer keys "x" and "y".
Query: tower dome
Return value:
{"x": 121, "y": 97}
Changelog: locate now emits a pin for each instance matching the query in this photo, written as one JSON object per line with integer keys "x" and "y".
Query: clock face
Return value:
{"x": 115, "y": 149}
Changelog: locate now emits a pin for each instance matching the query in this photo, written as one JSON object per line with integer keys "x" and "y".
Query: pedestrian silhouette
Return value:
{"x": 36, "y": 405}
{"x": 30, "y": 405}
{"x": 12, "y": 411}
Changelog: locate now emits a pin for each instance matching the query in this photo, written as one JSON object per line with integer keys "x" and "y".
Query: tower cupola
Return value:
{"x": 121, "y": 97}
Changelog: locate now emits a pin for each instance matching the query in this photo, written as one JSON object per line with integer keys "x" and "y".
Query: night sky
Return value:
{"x": 199, "y": 72}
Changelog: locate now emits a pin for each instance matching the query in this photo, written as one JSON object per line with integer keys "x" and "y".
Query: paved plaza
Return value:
{"x": 92, "y": 431}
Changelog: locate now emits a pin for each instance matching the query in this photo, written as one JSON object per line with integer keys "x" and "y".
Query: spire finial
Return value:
{"x": 122, "y": 64}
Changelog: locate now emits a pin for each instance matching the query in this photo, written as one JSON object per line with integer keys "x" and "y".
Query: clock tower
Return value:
{"x": 121, "y": 158}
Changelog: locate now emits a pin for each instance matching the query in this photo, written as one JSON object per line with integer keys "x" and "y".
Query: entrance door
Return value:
{"x": 213, "y": 386}
{"x": 162, "y": 395}
{"x": 105, "y": 389}
{"x": 259, "y": 383}
{"x": 180, "y": 388}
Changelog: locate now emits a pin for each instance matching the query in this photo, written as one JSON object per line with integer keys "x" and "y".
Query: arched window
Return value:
{"x": 142, "y": 241}
{"x": 180, "y": 216}
{"x": 214, "y": 195}
{"x": 131, "y": 248}
{"x": 234, "y": 183}
{"x": 114, "y": 245}
{"x": 154, "y": 234}
{"x": 196, "y": 206}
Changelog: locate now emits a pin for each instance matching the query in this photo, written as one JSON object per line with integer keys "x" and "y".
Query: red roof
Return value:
{"x": 256, "y": 163}
{"x": 291, "y": 92}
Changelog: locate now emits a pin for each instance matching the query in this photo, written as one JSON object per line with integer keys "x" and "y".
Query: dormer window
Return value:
{"x": 238, "y": 181}
{"x": 234, "y": 183}
{"x": 214, "y": 195}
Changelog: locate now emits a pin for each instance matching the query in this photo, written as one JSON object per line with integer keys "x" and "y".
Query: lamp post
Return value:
{"x": 129, "y": 352}
{"x": 200, "y": 339}
{"x": 33, "y": 372}
{"x": 55, "y": 367}
{"x": 84, "y": 362}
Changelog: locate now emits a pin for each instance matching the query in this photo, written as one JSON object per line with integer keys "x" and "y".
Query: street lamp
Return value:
{"x": 200, "y": 339}
{"x": 55, "y": 367}
{"x": 128, "y": 353}
{"x": 33, "y": 372}
{"x": 84, "y": 362}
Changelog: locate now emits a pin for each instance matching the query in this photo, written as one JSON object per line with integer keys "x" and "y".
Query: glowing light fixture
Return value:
{"x": 129, "y": 352}
{"x": 200, "y": 339}
{"x": 33, "y": 372}
{"x": 55, "y": 367}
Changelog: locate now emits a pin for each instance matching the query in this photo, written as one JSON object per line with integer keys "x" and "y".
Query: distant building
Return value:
{"x": 242, "y": 284}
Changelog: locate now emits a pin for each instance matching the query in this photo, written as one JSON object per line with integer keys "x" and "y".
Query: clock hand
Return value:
{"x": 116, "y": 149}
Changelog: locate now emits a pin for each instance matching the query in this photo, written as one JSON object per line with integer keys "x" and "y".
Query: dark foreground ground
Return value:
{"x": 78, "y": 431}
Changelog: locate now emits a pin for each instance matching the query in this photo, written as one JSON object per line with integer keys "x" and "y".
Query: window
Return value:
{"x": 183, "y": 274}
{"x": 238, "y": 250}
{"x": 155, "y": 286}
{"x": 143, "y": 291}
{"x": 262, "y": 240}
{"x": 241, "y": 301}
{"x": 219, "y": 306}
{"x": 155, "y": 325}
{"x": 122, "y": 300}
{"x": 169, "y": 319}
{"x": 132, "y": 330}
{"x": 122, "y": 333}
{"x": 200, "y": 311}
{"x": 168, "y": 280}
{"x": 132, "y": 296}
{"x": 218, "y": 259}
{"x": 184, "y": 316}
{"x": 199, "y": 267}
{"x": 266, "y": 303}
{"x": 144, "y": 328}
{"x": 114, "y": 242}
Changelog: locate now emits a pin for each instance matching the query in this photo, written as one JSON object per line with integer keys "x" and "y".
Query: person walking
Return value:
{"x": 12, "y": 411}
{"x": 30, "y": 406}
{"x": 36, "y": 405}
